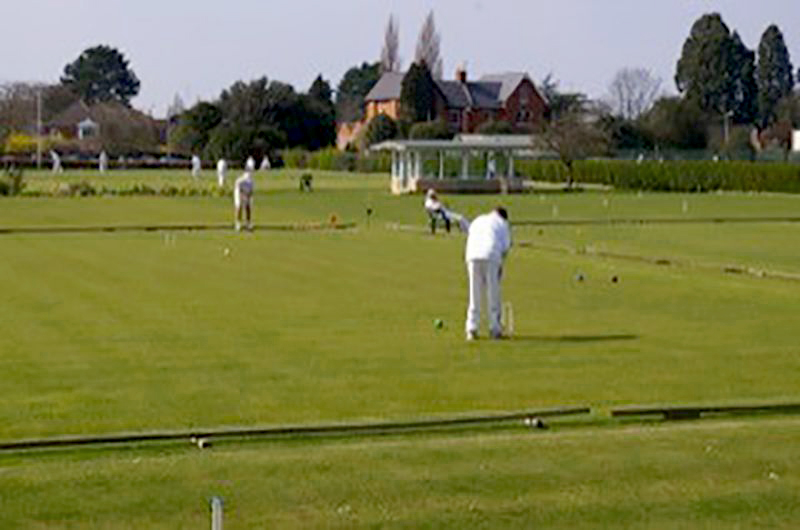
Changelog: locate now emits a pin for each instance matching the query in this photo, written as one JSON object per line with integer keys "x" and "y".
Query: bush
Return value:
{"x": 331, "y": 159}
{"x": 676, "y": 176}
{"x": 380, "y": 128}
{"x": 430, "y": 130}
{"x": 13, "y": 181}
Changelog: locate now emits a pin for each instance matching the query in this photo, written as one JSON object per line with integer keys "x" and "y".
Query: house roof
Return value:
{"x": 106, "y": 112}
{"x": 489, "y": 92}
{"x": 387, "y": 88}
{"x": 508, "y": 81}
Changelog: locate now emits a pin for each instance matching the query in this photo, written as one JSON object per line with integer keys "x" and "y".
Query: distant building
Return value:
{"x": 465, "y": 105}
{"x": 90, "y": 128}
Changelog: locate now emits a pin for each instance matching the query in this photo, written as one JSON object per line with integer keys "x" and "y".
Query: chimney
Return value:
{"x": 461, "y": 74}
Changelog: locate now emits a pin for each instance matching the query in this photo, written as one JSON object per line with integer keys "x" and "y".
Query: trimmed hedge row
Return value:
{"x": 679, "y": 176}
{"x": 332, "y": 159}
{"x": 87, "y": 189}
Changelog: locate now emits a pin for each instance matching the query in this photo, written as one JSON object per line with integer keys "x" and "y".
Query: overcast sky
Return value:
{"x": 197, "y": 48}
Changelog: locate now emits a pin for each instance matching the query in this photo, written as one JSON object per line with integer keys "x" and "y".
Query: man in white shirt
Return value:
{"x": 436, "y": 210}
{"x": 222, "y": 169}
{"x": 197, "y": 165}
{"x": 488, "y": 243}
{"x": 242, "y": 198}
{"x": 56, "y": 162}
{"x": 102, "y": 162}
{"x": 265, "y": 165}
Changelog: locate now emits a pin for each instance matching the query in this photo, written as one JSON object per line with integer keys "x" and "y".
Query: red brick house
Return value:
{"x": 509, "y": 97}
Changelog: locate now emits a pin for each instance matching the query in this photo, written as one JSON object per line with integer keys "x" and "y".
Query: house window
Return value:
{"x": 454, "y": 116}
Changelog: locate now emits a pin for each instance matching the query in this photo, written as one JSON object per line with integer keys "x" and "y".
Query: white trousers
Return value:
{"x": 484, "y": 276}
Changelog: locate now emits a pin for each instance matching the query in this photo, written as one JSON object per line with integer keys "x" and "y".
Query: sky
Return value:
{"x": 198, "y": 48}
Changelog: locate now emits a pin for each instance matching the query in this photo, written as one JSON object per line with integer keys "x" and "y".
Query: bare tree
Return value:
{"x": 633, "y": 91}
{"x": 574, "y": 135}
{"x": 428, "y": 47}
{"x": 390, "y": 55}
{"x": 176, "y": 108}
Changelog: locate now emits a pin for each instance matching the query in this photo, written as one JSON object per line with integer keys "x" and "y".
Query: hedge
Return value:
{"x": 332, "y": 159}
{"x": 679, "y": 176}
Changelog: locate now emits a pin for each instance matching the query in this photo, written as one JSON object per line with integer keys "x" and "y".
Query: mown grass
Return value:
{"x": 114, "y": 332}
{"x": 713, "y": 474}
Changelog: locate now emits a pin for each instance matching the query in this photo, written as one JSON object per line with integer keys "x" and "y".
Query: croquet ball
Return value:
{"x": 614, "y": 279}
{"x": 202, "y": 443}
{"x": 579, "y": 277}
{"x": 226, "y": 252}
{"x": 438, "y": 323}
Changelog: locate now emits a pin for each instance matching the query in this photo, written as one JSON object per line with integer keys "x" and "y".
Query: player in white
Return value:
{"x": 56, "y": 162}
{"x": 102, "y": 162}
{"x": 196, "y": 166}
{"x": 265, "y": 165}
{"x": 437, "y": 210}
{"x": 488, "y": 243}
{"x": 222, "y": 169}
{"x": 243, "y": 198}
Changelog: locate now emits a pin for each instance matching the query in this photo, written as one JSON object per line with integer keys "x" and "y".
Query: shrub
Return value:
{"x": 496, "y": 127}
{"x": 677, "y": 176}
{"x": 430, "y": 130}
{"x": 13, "y": 181}
{"x": 380, "y": 128}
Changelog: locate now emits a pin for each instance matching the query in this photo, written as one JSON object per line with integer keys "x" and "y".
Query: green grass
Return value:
{"x": 732, "y": 474}
{"x": 110, "y": 332}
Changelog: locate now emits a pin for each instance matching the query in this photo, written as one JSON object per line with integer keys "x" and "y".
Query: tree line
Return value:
{"x": 726, "y": 91}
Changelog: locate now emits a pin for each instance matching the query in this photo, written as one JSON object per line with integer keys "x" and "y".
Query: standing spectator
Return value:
{"x": 265, "y": 165}
{"x": 102, "y": 162}
{"x": 222, "y": 169}
{"x": 56, "y": 162}
{"x": 196, "y": 166}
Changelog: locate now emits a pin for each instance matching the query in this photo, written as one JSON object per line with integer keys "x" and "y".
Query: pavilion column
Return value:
{"x": 510, "y": 164}
{"x": 441, "y": 165}
{"x": 418, "y": 164}
{"x": 394, "y": 164}
{"x": 464, "y": 164}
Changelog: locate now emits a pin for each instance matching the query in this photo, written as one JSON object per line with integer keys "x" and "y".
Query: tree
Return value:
{"x": 706, "y": 71}
{"x": 320, "y": 115}
{"x": 774, "y": 78}
{"x": 390, "y": 54}
{"x": 574, "y": 135}
{"x": 558, "y": 102}
{"x": 428, "y": 44}
{"x": 676, "y": 122}
{"x": 418, "y": 94}
{"x": 632, "y": 92}
{"x": 101, "y": 73}
{"x": 380, "y": 128}
{"x": 176, "y": 108}
{"x": 195, "y": 126}
{"x": 744, "y": 89}
{"x": 430, "y": 130}
{"x": 352, "y": 89}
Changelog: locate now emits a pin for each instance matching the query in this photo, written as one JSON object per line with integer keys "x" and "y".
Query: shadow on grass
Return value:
{"x": 574, "y": 338}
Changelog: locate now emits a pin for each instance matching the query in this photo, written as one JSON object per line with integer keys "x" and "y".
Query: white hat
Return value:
{"x": 431, "y": 192}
